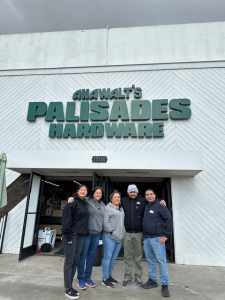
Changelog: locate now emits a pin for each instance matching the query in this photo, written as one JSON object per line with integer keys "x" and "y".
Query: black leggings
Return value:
{"x": 72, "y": 254}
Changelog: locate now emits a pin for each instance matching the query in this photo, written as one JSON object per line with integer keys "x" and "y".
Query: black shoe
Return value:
{"x": 108, "y": 283}
{"x": 112, "y": 280}
{"x": 126, "y": 282}
{"x": 71, "y": 293}
{"x": 138, "y": 282}
{"x": 165, "y": 291}
{"x": 150, "y": 284}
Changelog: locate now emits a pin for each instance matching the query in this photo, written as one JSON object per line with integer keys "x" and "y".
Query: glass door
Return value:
{"x": 32, "y": 215}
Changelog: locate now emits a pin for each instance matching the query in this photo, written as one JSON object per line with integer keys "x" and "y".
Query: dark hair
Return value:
{"x": 94, "y": 190}
{"x": 150, "y": 190}
{"x": 80, "y": 186}
{"x": 113, "y": 193}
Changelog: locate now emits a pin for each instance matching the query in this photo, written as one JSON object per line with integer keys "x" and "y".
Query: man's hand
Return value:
{"x": 70, "y": 200}
{"x": 70, "y": 242}
{"x": 162, "y": 240}
{"x": 162, "y": 202}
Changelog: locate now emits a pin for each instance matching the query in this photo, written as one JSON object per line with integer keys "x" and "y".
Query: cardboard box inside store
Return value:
{"x": 57, "y": 213}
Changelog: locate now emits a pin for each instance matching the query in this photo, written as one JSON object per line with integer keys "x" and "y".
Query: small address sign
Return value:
{"x": 99, "y": 159}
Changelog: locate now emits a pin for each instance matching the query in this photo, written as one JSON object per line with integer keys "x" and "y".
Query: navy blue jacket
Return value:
{"x": 157, "y": 221}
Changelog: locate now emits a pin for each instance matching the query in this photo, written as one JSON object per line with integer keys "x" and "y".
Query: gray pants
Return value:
{"x": 133, "y": 255}
{"x": 72, "y": 254}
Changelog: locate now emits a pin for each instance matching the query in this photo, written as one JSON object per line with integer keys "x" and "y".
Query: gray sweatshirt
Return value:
{"x": 114, "y": 221}
{"x": 96, "y": 215}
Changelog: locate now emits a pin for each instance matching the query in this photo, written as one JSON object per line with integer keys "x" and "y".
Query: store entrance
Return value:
{"x": 55, "y": 191}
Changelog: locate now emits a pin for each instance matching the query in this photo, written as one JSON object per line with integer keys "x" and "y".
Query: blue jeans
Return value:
{"x": 156, "y": 251}
{"x": 111, "y": 251}
{"x": 88, "y": 254}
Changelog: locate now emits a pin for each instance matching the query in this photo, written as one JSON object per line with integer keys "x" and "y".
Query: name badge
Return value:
{"x": 151, "y": 211}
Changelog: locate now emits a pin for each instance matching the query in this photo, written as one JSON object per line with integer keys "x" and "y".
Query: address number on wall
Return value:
{"x": 99, "y": 159}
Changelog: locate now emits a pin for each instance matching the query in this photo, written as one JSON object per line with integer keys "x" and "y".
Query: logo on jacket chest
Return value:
{"x": 151, "y": 211}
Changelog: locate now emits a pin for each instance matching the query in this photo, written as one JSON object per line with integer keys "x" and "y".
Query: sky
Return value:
{"x": 27, "y": 16}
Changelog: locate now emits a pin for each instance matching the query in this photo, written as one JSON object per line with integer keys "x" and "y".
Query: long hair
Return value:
{"x": 94, "y": 190}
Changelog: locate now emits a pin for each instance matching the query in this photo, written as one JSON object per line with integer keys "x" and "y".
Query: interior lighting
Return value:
{"x": 76, "y": 182}
{"x": 51, "y": 183}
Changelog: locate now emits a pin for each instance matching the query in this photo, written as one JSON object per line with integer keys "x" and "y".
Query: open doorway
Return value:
{"x": 55, "y": 191}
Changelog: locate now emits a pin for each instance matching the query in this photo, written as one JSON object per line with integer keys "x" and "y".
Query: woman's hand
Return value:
{"x": 70, "y": 200}
{"x": 70, "y": 242}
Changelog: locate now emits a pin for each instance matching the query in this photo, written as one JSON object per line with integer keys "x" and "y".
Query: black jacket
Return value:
{"x": 134, "y": 212}
{"x": 75, "y": 218}
{"x": 157, "y": 221}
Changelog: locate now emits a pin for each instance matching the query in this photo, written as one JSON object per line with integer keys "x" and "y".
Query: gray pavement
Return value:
{"x": 40, "y": 277}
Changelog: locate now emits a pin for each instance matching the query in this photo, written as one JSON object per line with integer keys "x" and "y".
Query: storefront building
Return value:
{"x": 140, "y": 105}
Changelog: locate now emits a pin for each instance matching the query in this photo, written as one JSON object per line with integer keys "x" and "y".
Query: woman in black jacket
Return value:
{"x": 74, "y": 228}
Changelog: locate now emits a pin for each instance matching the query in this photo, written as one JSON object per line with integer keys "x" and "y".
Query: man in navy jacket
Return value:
{"x": 157, "y": 227}
{"x": 134, "y": 207}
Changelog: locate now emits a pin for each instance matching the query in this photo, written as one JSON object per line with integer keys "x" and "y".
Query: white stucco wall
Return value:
{"x": 116, "y": 46}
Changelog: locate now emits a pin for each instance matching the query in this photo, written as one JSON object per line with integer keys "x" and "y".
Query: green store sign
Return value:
{"x": 96, "y": 119}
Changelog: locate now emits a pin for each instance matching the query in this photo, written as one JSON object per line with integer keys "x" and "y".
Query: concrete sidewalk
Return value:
{"x": 40, "y": 277}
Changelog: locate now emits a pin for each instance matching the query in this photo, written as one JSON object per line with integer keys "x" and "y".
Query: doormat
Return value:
{"x": 60, "y": 252}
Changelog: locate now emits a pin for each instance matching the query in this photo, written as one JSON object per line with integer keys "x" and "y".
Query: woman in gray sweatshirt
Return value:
{"x": 112, "y": 237}
{"x": 96, "y": 209}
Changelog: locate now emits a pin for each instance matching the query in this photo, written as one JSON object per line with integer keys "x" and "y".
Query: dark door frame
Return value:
{"x": 94, "y": 177}
{"x": 167, "y": 195}
{"x": 104, "y": 183}
{"x": 31, "y": 250}
{"x": 3, "y": 222}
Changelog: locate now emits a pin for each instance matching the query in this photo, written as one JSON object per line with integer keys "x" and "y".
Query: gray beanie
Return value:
{"x": 132, "y": 188}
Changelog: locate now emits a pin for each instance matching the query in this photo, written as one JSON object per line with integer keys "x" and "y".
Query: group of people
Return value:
{"x": 136, "y": 222}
